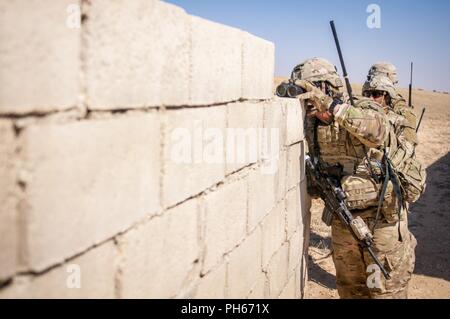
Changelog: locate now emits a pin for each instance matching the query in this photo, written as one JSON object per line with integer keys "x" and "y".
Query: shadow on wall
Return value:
{"x": 429, "y": 222}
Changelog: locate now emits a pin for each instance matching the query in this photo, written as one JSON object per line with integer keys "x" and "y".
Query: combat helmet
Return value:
{"x": 315, "y": 70}
{"x": 383, "y": 68}
{"x": 379, "y": 83}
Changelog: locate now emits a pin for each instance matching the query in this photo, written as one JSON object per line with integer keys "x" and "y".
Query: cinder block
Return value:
{"x": 85, "y": 182}
{"x": 212, "y": 286}
{"x": 275, "y": 118}
{"x": 295, "y": 250}
{"x": 40, "y": 56}
{"x": 216, "y": 62}
{"x": 273, "y": 233}
{"x": 244, "y": 124}
{"x": 244, "y": 266}
{"x": 294, "y": 212}
{"x": 278, "y": 271}
{"x": 258, "y": 60}
{"x": 89, "y": 276}
{"x": 260, "y": 289}
{"x": 226, "y": 221}
{"x": 160, "y": 254}
{"x": 8, "y": 200}
{"x": 289, "y": 291}
{"x": 295, "y": 165}
{"x": 295, "y": 118}
{"x": 194, "y": 155}
{"x": 136, "y": 54}
{"x": 261, "y": 197}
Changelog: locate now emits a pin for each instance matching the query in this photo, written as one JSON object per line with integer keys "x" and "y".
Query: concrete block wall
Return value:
{"x": 143, "y": 155}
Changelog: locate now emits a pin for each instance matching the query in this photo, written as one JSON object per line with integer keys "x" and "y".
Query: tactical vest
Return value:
{"x": 344, "y": 157}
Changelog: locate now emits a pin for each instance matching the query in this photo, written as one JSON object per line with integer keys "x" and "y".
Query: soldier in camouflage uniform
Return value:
{"x": 396, "y": 102}
{"x": 350, "y": 142}
{"x": 383, "y": 91}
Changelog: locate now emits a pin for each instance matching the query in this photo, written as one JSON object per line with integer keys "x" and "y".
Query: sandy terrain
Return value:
{"x": 429, "y": 219}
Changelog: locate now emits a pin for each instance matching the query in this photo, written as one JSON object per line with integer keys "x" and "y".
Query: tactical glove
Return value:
{"x": 318, "y": 99}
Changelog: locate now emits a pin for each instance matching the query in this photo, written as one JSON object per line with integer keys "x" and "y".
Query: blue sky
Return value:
{"x": 415, "y": 31}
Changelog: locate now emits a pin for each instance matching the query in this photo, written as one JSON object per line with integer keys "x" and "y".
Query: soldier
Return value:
{"x": 397, "y": 103}
{"x": 350, "y": 143}
{"x": 381, "y": 89}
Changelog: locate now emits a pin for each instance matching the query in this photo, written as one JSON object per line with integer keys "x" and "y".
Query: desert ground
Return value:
{"x": 429, "y": 218}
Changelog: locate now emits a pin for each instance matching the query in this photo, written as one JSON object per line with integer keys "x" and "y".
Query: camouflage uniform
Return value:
{"x": 403, "y": 120}
{"x": 356, "y": 137}
{"x": 385, "y": 73}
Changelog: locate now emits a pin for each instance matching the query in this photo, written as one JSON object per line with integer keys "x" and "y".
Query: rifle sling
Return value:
{"x": 390, "y": 175}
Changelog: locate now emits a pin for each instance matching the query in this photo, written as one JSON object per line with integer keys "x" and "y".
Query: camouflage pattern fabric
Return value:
{"x": 398, "y": 107}
{"x": 380, "y": 83}
{"x": 365, "y": 121}
{"x": 353, "y": 279}
{"x": 317, "y": 69}
{"x": 403, "y": 140}
{"x": 384, "y": 68}
{"x": 359, "y": 136}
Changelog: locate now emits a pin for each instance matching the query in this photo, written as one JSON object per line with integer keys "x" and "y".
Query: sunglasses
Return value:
{"x": 374, "y": 94}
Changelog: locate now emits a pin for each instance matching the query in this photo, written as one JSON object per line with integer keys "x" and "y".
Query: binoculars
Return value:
{"x": 289, "y": 89}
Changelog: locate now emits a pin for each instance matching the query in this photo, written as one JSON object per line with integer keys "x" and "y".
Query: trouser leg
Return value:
{"x": 349, "y": 263}
{"x": 356, "y": 274}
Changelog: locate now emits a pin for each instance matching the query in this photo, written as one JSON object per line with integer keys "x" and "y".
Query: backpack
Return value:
{"x": 410, "y": 171}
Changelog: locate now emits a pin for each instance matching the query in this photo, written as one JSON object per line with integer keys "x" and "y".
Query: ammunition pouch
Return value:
{"x": 364, "y": 193}
{"x": 361, "y": 191}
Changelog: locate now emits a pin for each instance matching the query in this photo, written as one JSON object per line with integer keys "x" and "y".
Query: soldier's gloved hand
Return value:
{"x": 318, "y": 99}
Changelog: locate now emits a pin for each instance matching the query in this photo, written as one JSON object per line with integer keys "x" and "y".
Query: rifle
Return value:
{"x": 334, "y": 198}
{"x": 410, "y": 88}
